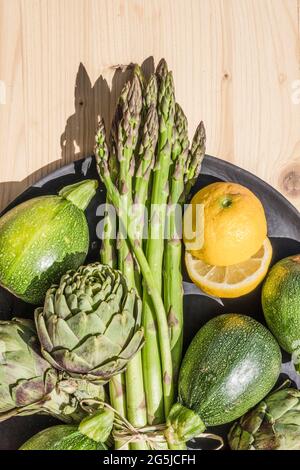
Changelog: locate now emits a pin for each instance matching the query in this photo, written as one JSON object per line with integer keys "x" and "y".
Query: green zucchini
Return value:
{"x": 281, "y": 304}
{"x": 91, "y": 434}
{"x": 232, "y": 363}
{"x": 62, "y": 437}
{"x": 42, "y": 238}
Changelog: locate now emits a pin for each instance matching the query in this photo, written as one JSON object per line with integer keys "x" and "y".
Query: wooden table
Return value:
{"x": 236, "y": 65}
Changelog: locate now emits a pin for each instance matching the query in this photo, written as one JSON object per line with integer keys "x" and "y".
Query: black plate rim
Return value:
{"x": 208, "y": 162}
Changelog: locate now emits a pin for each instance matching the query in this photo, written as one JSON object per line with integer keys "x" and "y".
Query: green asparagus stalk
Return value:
{"x": 128, "y": 128}
{"x": 173, "y": 292}
{"x": 150, "y": 95}
{"x": 108, "y": 256}
{"x": 146, "y": 154}
{"x": 136, "y": 404}
{"x": 194, "y": 161}
{"x": 102, "y": 156}
{"x": 108, "y": 249}
{"x": 161, "y": 70}
{"x": 146, "y": 158}
{"x": 138, "y": 72}
{"x": 158, "y": 386}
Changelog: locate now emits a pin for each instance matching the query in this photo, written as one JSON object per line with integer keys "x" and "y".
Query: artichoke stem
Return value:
{"x": 80, "y": 194}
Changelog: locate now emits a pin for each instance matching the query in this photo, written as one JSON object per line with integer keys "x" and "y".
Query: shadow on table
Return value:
{"x": 77, "y": 140}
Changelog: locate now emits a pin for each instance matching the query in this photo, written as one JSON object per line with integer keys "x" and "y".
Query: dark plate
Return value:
{"x": 284, "y": 231}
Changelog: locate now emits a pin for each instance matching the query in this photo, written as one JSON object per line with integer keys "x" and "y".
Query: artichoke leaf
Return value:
{"x": 105, "y": 311}
{"x": 85, "y": 324}
{"x": 42, "y": 330}
{"x": 120, "y": 328}
{"x": 61, "y": 333}
{"x": 61, "y": 307}
{"x": 26, "y": 392}
{"x": 49, "y": 308}
{"x": 135, "y": 344}
{"x": 97, "y": 349}
{"x": 63, "y": 359}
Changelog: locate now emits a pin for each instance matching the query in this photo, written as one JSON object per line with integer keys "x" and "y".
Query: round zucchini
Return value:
{"x": 42, "y": 238}
{"x": 232, "y": 363}
{"x": 62, "y": 437}
{"x": 281, "y": 303}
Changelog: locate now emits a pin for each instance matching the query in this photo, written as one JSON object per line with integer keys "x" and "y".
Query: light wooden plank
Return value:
{"x": 235, "y": 63}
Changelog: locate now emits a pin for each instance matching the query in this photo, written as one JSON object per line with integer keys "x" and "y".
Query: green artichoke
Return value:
{"x": 90, "y": 325}
{"x": 28, "y": 383}
{"x": 274, "y": 424}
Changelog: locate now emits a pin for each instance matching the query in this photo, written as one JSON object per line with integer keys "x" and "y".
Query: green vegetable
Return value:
{"x": 149, "y": 155}
{"x": 231, "y": 364}
{"x": 186, "y": 168}
{"x": 90, "y": 323}
{"x": 98, "y": 426}
{"x": 128, "y": 127}
{"x": 281, "y": 304}
{"x": 274, "y": 424}
{"x": 173, "y": 292}
{"x": 42, "y": 238}
{"x": 194, "y": 161}
{"x": 158, "y": 402}
{"x": 146, "y": 153}
{"x": 144, "y": 150}
{"x": 102, "y": 156}
{"x": 91, "y": 434}
{"x": 108, "y": 255}
{"x": 62, "y": 437}
{"x": 29, "y": 385}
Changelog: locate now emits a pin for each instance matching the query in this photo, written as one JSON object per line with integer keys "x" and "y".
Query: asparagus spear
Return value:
{"x": 161, "y": 70}
{"x": 195, "y": 159}
{"x": 127, "y": 132}
{"x": 102, "y": 156}
{"x": 150, "y": 95}
{"x": 128, "y": 127}
{"x": 158, "y": 386}
{"x": 138, "y": 72}
{"x": 173, "y": 293}
{"x": 146, "y": 154}
{"x": 108, "y": 256}
{"x": 108, "y": 249}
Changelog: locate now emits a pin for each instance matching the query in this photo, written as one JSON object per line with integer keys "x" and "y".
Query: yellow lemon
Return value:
{"x": 230, "y": 281}
{"x": 228, "y": 222}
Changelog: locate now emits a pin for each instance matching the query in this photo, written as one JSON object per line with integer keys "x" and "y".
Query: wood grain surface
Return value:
{"x": 236, "y": 65}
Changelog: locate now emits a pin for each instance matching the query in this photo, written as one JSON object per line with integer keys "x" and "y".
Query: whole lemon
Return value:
{"x": 232, "y": 225}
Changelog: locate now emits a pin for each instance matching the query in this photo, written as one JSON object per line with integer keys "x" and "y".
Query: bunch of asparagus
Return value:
{"x": 147, "y": 162}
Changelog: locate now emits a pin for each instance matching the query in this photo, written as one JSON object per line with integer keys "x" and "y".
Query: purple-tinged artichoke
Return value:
{"x": 90, "y": 325}
{"x": 29, "y": 384}
{"x": 274, "y": 424}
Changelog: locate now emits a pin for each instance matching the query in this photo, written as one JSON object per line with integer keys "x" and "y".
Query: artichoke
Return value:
{"x": 274, "y": 424}
{"x": 90, "y": 325}
{"x": 28, "y": 383}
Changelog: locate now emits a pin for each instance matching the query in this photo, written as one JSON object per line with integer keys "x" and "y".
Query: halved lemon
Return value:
{"x": 230, "y": 281}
